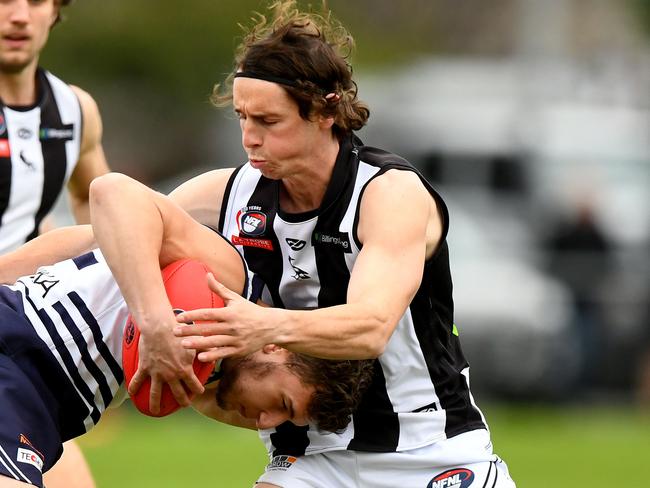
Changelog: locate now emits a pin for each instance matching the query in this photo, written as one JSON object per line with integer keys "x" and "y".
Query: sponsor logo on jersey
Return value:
{"x": 339, "y": 239}
{"x": 251, "y": 221}
{"x": 247, "y": 241}
{"x": 281, "y": 463}
{"x": 28, "y": 456}
{"x": 299, "y": 274}
{"x": 25, "y": 133}
{"x": 453, "y": 478}
{"x": 65, "y": 133}
{"x": 5, "y": 148}
{"x": 296, "y": 244}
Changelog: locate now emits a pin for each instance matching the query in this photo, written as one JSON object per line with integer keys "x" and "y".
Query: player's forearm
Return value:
{"x": 352, "y": 331}
{"x": 128, "y": 228}
{"x": 49, "y": 248}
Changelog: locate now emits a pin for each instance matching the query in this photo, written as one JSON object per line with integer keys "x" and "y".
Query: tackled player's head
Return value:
{"x": 275, "y": 385}
{"x": 306, "y": 53}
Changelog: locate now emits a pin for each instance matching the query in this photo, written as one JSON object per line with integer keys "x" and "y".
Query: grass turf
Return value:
{"x": 543, "y": 446}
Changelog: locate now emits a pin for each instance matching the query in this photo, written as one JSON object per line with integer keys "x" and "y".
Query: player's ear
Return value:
{"x": 271, "y": 348}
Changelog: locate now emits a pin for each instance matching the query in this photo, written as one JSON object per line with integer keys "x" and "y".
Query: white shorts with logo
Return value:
{"x": 463, "y": 461}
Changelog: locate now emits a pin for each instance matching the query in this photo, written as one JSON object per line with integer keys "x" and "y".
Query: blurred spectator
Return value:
{"x": 580, "y": 254}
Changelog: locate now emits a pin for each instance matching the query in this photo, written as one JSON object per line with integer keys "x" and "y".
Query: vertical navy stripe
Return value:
{"x": 54, "y": 154}
{"x": 92, "y": 368}
{"x": 70, "y": 366}
{"x": 98, "y": 337}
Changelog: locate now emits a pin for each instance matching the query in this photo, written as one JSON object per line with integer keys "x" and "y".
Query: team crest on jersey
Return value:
{"x": 453, "y": 478}
{"x": 3, "y": 124}
{"x": 281, "y": 463}
{"x": 251, "y": 222}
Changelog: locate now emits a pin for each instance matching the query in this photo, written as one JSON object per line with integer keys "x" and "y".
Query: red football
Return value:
{"x": 187, "y": 289}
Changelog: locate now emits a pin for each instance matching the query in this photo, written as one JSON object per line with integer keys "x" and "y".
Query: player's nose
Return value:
{"x": 268, "y": 420}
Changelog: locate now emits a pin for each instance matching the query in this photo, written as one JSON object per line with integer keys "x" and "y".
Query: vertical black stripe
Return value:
{"x": 432, "y": 313}
{"x": 70, "y": 366}
{"x": 103, "y": 349}
{"x": 54, "y": 154}
{"x": 5, "y": 185}
{"x": 376, "y": 425}
{"x": 5, "y": 167}
{"x": 92, "y": 368}
{"x": 267, "y": 264}
{"x": 225, "y": 199}
{"x": 290, "y": 440}
{"x": 333, "y": 272}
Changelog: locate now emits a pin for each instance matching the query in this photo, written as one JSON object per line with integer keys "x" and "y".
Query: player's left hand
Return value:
{"x": 237, "y": 329}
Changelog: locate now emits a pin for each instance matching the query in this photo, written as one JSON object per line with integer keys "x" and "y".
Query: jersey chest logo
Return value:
{"x": 251, "y": 223}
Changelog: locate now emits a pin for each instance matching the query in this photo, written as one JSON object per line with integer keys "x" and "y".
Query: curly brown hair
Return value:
{"x": 338, "y": 385}
{"x": 311, "y": 50}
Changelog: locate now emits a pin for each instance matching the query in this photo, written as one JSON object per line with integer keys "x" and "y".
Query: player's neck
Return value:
{"x": 304, "y": 190}
{"x": 19, "y": 89}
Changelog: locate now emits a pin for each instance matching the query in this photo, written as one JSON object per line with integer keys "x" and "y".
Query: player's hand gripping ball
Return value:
{"x": 187, "y": 289}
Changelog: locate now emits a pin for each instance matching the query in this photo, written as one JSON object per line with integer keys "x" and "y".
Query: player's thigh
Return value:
{"x": 11, "y": 483}
{"x": 265, "y": 485}
{"x": 71, "y": 471}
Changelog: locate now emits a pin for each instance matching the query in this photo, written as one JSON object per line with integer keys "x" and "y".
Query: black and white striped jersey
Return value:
{"x": 74, "y": 352}
{"x": 39, "y": 149}
{"x": 420, "y": 392}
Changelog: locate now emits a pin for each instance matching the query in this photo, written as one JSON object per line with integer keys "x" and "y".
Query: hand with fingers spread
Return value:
{"x": 165, "y": 361}
{"x": 237, "y": 329}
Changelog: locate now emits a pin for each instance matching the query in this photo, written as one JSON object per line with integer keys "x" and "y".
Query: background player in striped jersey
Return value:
{"x": 50, "y": 132}
{"x": 60, "y": 355}
{"x": 325, "y": 223}
{"x": 50, "y": 138}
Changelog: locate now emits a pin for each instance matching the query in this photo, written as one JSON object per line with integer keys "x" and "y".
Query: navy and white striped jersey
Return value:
{"x": 420, "y": 393}
{"x": 39, "y": 150}
{"x": 72, "y": 343}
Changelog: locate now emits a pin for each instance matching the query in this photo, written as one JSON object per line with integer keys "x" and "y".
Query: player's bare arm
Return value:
{"x": 201, "y": 197}
{"x": 384, "y": 280}
{"x": 92, "y": 161}
{"x": 160, "y": 237}
{"x": 49, "y": 248}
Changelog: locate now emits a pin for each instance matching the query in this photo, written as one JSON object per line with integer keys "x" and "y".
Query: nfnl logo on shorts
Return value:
{"x": 454, "y": 478}
{"x": 29, "y": 457}
{"x": 281, "y": 463}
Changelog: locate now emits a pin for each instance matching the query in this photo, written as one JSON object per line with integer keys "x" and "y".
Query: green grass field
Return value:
{"x": 543, "y": 446}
